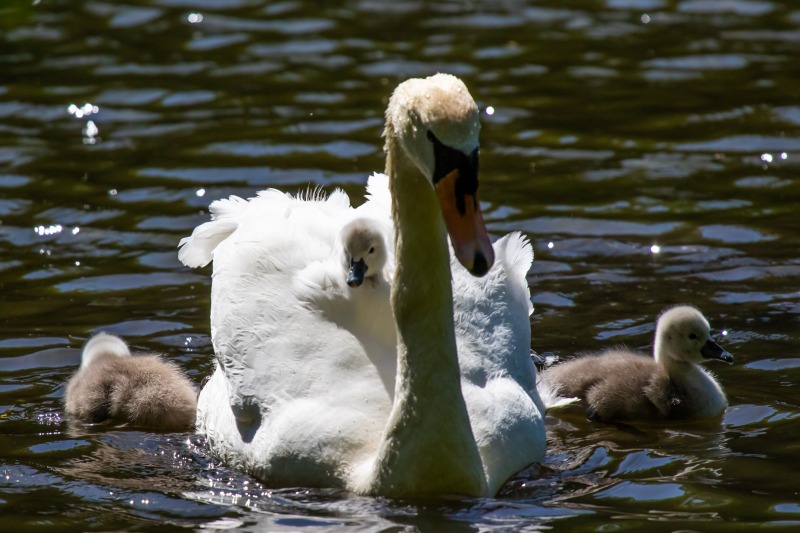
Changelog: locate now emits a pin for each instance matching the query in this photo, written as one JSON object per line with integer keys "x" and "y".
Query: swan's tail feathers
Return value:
{"x": 516, "y": 253}
{"x": 197, "y": 250}
{"x": 551, "y": 398}
{"x": 103, "y": 344}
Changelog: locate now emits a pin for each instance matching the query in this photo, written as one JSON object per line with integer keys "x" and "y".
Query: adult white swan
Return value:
{"x": 308, "y": 392}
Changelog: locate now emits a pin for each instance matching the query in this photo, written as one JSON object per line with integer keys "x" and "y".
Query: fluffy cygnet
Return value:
{"x": 364, "y": 251}
{"x": 622, "y": 384}
{"x": 141, "y": 390}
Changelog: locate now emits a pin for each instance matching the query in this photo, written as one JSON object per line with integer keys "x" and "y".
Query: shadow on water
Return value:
{"x": 649, "y": 148}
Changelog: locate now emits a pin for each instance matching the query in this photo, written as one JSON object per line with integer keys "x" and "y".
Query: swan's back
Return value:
{"x": 297, "y": 377}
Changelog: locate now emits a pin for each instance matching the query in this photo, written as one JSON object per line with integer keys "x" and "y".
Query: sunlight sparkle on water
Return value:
{"x": 645, "y": 18}
{"x": 83, "y": 111}
{"x": 90, "y": 133}
{"x": 200, "y": 192}
{"x": 767, "y": 158}
{"x": 655, "y": 249}
{"x": 48, "y": 230}
{"x": 550, "y": 245}
{"x": 490, "y": 110}
{"x": 195, "y": 18}
{"x": 784, "y": 155}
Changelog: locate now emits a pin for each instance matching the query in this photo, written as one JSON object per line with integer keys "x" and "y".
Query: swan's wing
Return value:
{"x": 498, "y": 376}
{"x": 197, "y": 250}
{"x": 276, "y": 344}
{"x": 492, "y": 314}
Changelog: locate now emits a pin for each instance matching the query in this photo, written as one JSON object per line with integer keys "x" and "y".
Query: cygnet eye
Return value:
{"x": 371, "y": 250}
{"x": 693, "y": 336}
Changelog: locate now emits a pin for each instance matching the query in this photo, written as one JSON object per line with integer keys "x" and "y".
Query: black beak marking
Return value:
{"x": 449, "y": 159}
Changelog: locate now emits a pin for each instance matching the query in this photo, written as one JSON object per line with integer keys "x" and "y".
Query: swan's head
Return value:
{"x": 436, "y": 123}
{"x": 364, "y": 250}
{"x": 103, "y": 344}
{"x": 683, "y": 335}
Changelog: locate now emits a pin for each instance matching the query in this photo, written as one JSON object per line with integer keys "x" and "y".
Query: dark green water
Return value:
{"x": 608, "y": 127}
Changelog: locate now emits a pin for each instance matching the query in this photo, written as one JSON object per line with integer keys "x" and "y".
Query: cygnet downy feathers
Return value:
{"x": 621, "y": 384}
{"x": 141, "y": 390}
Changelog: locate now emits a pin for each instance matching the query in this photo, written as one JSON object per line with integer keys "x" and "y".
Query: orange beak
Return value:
{"x": 464, "y": 222}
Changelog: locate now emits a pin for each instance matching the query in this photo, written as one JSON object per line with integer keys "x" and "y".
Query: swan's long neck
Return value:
{"x": 428, "y": 447}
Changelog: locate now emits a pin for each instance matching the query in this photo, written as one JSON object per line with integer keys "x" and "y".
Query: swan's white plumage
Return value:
{"x": 305, "y": 377}
{"x": 498, "y": 377}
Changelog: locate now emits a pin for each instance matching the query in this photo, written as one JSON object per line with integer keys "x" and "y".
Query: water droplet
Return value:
{"x": 645, "y": 18}
{"x": 200, "y": 192}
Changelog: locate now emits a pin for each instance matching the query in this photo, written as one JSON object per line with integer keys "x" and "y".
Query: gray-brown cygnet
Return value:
{"x": 141, "y": 390}
{"x": 621, "y": 384}
{"x": 364, "y": 250}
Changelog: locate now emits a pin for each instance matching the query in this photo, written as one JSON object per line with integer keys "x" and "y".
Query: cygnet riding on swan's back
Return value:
{"x": 365, "y": 251}
{"x": 298, "y": 400}
{"x": 141, "y": 390}
{"x": 619, "y": 384}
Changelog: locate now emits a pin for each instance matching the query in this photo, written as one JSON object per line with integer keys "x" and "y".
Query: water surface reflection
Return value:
{"x": 649, "y": 148}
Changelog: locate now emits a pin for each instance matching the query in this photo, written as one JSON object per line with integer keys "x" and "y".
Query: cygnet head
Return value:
{"x": 364, "y": 250}
{"x": 103, "y": 344}
{"x": 684, "y": 335}
{"x": 435, "y": 122}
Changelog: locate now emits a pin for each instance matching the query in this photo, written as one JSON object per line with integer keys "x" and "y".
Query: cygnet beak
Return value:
{"x": 712, "y": 350}
{"x": 355, "y": 277}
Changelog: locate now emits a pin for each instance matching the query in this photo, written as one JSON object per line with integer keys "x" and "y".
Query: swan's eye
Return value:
{"x": 693, "y": 336}
{"x": 372, "y": 250}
